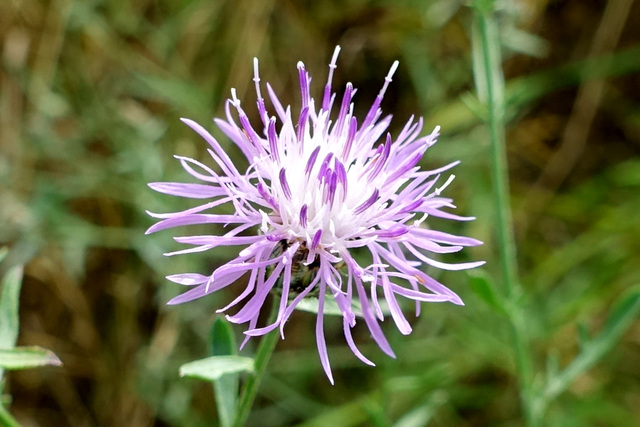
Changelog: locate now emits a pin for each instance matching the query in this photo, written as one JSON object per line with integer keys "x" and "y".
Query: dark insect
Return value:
{"x": 301, "y": 275}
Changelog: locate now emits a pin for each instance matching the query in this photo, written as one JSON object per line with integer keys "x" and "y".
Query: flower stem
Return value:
{"x": 6, "y": 420}
{"x": 490, "y": 85}
{"x": 250, "y": 389}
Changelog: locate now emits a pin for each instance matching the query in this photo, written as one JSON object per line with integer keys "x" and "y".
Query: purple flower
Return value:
{"x": 329, "y": 209}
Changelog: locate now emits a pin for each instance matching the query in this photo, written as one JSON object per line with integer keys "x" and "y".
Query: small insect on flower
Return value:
{"x": 302, "y": 274}
{"x": 332, "y": 208}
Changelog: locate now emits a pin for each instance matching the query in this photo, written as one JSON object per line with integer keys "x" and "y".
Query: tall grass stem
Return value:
{"x": 261, "y": 360}
{"x": 489, "y": 80}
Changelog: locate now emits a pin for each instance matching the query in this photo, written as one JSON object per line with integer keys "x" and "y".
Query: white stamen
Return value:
{"x": 265, "y": 222}
{"x": 256, "y": 77}
{"x": 334, "y": 60}
{"x": 419, "y": 222}
{"x": 438, "y": 190}
{"x": 234, "y": 98}
{"x": 387, "y": 79}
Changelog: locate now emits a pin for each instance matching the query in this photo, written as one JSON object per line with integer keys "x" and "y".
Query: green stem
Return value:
{"x": 6, "y": 420}
{"x": 490, "y": 83}
{"x": 263, "y": 354}
{"x": 490, "y": 86}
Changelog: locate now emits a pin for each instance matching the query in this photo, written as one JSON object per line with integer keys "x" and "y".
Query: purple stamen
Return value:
{"x": 284, "y": 184}
{"x": 367, "y": 203}
{"x": 302, "y": 124}
{"x": 353, "y": 128}
{"x": 402, "y": 170}
{"x": 326, "y": 105}
{"x": 262, "y": 109}
{"x": 333, "y": 177}
{"x": 324, "y": 183}
{"x": 312, "y": 161}
{"x": 411, "y": 206}
{"x": 373, "y": 161}
{"x": 251, "y": 134}
{"x": 342, "y": 115}
{"x": 304, "y": 85}
{"x": 273, "y": 140}
{"x": 376, "y": 104}
{"x": 324, "y": 166}
{"x": 382, "y": 160}
{"x": 303, "y": 216}
{"x": 266, "y": 196}
{"x": 393, "y": 232}
{"x": 316, "y": 239}
{"x": 341, "y": 173}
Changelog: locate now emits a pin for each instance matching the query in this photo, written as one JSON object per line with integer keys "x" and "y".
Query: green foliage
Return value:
{"x": 225, "y": 388}
{"x": 27, "y": 357}
{"x": 215, "y": 367}
{"x": 90, "y": 97}
{"x": 485, "y": 288}
{"x": 592, "y": 350}
{"x": 12, "y": 357}
{"x": 9, "y": 305}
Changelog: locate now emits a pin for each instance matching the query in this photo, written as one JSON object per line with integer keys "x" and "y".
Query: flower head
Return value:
{"x": 331, "y": 209}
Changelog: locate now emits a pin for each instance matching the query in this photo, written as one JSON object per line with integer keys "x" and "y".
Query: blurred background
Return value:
{"x": 91, "y": 93}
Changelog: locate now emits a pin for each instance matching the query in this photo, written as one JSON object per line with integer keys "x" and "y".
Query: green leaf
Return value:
{"x": 27, "y": 357}
{"x": 484, "y": 286}
{"x": 226, "y": 387}
{"x": 583, "y": 335}
{"x": 423, "y": 414}
{"x": 212, "y": 368}
{"x": 620, "y": 319}
{"x": 524, "y": 42}
{"x": 331, "y": 307}
{"x": 553, "y": 365}
{"x": 4, "y": 251}
{"x": 223, "y": 341}
{"x": 9, "y": 303}
{"x": 475, "y": 106}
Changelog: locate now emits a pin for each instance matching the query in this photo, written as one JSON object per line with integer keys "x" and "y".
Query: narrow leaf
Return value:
{"x": 583, "y": 335}
{"x": 620, "y": 319}
{"x": 212, "y": 368}
{"x": 423, "y": 414}
{"x": 9, "y": 302}
{"x": 484, "y": 286}
{"x": 223, "y": 342}
{"x": 27, "y": 357}
{"x": 4, "y": 251}
{"x": 553, "y": 365}
{"x": 226, "y": 387}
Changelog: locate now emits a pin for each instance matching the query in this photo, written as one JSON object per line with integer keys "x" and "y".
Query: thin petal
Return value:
{"x": 322, "y": 346}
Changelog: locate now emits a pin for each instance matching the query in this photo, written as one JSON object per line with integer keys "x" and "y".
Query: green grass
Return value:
{"x": 90, "y": 97}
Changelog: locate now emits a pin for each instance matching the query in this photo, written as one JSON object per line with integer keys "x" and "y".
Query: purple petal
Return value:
{"x": 188, "y": 279}
{"x": 179, "y": 220}
{"x": 196, "y": 191}
{"x": 367, "y": 203}
{"x": 322, "y": 346}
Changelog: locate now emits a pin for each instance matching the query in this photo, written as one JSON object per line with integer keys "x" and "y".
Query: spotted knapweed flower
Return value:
{"x": 332, "y": 209}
